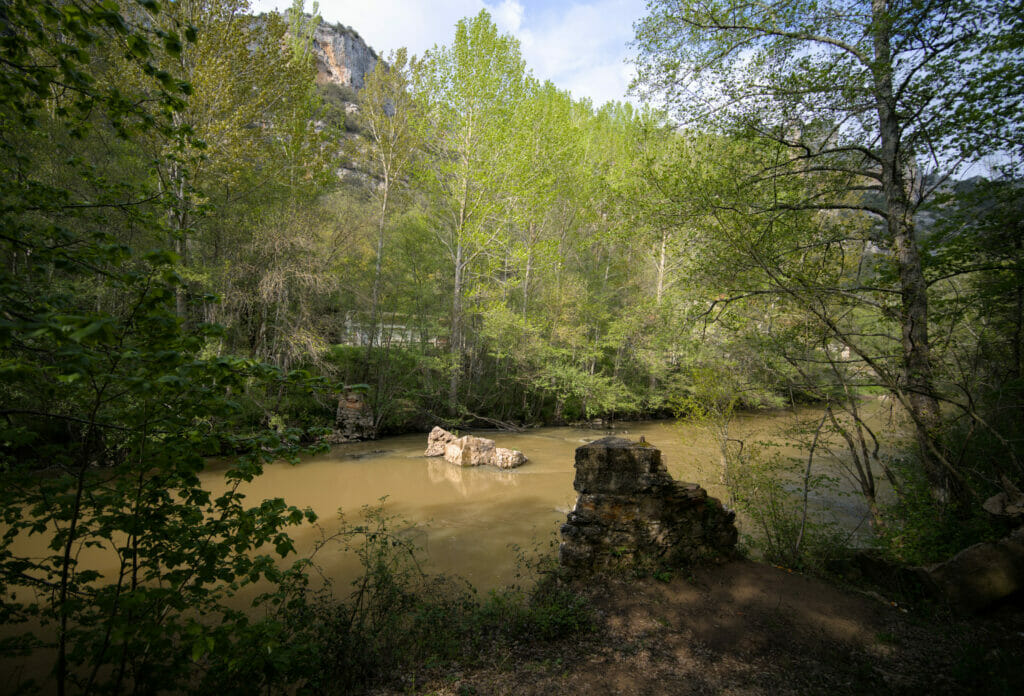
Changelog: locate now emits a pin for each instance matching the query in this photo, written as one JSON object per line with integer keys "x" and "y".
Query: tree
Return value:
{"x": 109, "y": 403}
{"x": 388, "y": 119}
{"x": 860, "y": 95}
{"x": 251, "y": 142}
{"x": 469, "y": 91}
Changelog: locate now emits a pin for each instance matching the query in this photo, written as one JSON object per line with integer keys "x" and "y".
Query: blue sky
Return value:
{"x": 581, "y": 46}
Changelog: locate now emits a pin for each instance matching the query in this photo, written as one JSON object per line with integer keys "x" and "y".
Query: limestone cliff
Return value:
{"x": 342, "y": 57}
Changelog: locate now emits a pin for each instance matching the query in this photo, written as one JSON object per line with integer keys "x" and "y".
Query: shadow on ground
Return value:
{"x": 748, "y": 628}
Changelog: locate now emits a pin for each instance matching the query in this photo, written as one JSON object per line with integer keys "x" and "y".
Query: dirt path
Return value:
{"x": 748, "y": 628}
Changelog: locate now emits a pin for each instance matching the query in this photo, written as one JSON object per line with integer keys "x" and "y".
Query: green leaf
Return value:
{"x": 88, "y": 330}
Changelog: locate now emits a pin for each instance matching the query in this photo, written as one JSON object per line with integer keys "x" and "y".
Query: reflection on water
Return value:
{"x": 468, "y": 481}
{"x": 467, "y": 518}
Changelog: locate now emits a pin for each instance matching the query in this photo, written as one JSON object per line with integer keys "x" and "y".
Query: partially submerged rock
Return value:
{"x": 630, "y": 512}
{"x": 505, "y": 458}
{"x": 471, "y": 451}
{"x": 436, "y": 441}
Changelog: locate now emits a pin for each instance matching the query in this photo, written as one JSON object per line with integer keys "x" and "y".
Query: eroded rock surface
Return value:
{"x": 436, "y": 441}
{"x": 631, "y": 511}
{"x": 470, "y": 450}
{"x": 353, "y": 420}
{"x": 342, "y": 57}
{"x": 505, "y": 458}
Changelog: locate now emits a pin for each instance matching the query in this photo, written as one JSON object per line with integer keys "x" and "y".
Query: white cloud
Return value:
{"x": 579, "y": 45}
{"x": 583, "y": 47}
{"x": 508, "y": 16}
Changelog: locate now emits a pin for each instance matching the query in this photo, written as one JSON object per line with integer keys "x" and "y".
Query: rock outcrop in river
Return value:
{"x": 471, "y": 451}
{"x": 631, "y": 512}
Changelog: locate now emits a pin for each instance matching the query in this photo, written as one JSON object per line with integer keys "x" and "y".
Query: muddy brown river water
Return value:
{"x": 467, "y": 520}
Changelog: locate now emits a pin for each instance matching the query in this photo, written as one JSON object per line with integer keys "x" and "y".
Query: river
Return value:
{"x": 468, "y": 520}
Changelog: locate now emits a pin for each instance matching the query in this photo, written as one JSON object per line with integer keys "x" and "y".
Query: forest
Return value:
{"x": 819, "y": 202}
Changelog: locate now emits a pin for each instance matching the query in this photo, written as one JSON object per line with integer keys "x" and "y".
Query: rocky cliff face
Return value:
{"x": 342, "y": 57}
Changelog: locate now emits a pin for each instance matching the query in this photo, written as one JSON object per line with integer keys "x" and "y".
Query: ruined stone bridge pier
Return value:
{"x": 631, "y": 513}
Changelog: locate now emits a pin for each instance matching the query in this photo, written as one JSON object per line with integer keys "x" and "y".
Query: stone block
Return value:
{"x": 436, "y": 442}
{"x": 505, "y": 458}
{"x": 470, "y": 451}
{"x": 617, "y": 466}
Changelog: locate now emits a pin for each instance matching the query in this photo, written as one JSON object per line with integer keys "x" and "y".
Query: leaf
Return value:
{"x": 88, "y": 330}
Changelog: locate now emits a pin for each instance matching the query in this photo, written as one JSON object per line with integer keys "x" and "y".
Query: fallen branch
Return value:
{"x": 499, "y": 424}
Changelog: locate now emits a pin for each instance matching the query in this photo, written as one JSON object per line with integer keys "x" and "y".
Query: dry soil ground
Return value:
{"x": 748, "y": 628}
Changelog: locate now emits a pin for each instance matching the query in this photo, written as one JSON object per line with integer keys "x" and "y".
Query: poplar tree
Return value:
{"x": 470, "y": 91}
{"x": 387, "y": 114}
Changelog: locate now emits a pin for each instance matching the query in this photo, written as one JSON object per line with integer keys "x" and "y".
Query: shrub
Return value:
{"x": 397, "y": 620}
{"x": 918, "y": 530}
{"x": 773, "y": 493}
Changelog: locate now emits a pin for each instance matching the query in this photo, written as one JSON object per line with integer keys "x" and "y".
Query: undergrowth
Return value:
{"x": 919, "y": 531}
{"x": 771, "y": 493}
{"x": 398, "y": 622}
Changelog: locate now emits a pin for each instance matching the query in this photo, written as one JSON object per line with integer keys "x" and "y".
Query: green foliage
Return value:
{"x": 111, "y": 399}
{"x": 548, "y": 612}
{"x": 514, "y": 253}
{"x": 771, "y": 492}
{"x": 917, "y": 531}
{"x": 403, "y": 384}
{"x": 397, "y": 621}
{"x": 843, "y": 106}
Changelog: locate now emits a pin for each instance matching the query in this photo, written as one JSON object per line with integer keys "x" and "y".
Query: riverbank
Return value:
{"x": 747, "y": 628}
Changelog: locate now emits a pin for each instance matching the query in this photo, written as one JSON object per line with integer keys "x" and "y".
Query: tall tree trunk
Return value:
{"x": 916, "y": 374}
{"x": 456, "y": 332}
{"x": 659, "y": 290}
{"x": 1018, "y": 316}
{"x": 375, "y": 297}
{"x": 529, "y": 268}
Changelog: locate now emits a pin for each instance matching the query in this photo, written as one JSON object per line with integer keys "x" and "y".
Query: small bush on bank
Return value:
{"x": 397, "y": 621}
{"x": 919, "y": 531}
{"x": 773, "y": 494}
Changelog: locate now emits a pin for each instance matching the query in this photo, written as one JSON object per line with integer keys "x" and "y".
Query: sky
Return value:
{"x": 580, "y": 45}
